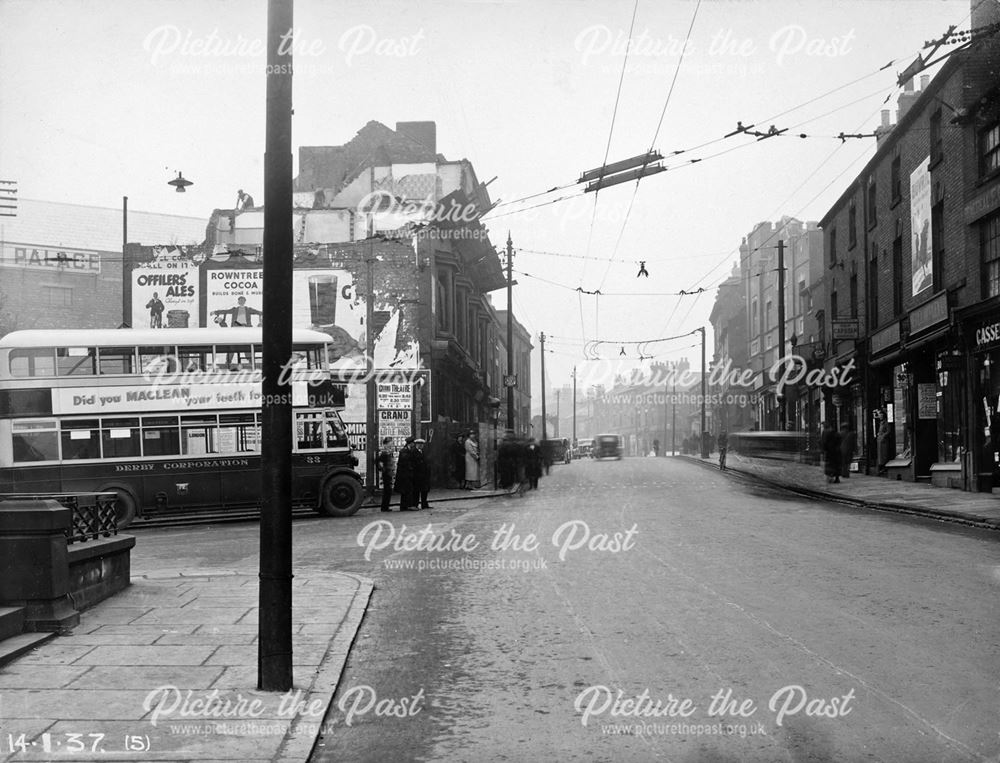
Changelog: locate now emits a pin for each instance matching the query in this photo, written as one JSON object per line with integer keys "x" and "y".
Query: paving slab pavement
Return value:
{"x": 900, "y": 496}
{"x": 167, "y": 671}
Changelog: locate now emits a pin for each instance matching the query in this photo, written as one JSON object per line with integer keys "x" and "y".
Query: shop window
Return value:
{"x": 989, "y": 150}
{"x": 989, "y": 248}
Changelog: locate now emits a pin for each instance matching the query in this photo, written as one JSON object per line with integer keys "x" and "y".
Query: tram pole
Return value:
{"x": 274, "y": 651}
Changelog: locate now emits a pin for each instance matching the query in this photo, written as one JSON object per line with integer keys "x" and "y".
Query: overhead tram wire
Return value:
{"x": 799, "y": 187}
{"x": 611, "y": 131}
{"x": 652, "y": 145}
{"x": 713, "y": 141}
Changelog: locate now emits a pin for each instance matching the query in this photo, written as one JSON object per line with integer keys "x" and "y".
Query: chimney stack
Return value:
{"x": 424, "y": 133}
{"x": 885, "y": 119}
{"x": 906, "y": 99}
{"x": 924, "y": 81}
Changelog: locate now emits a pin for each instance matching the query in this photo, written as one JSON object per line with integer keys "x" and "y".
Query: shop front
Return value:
{"x": 936, "y": 396}
{"x": 890, "y": 440}
{"x": 981, "y": 329}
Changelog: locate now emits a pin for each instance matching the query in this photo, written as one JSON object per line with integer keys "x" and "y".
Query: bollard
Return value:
{"x": 34, "y": 563}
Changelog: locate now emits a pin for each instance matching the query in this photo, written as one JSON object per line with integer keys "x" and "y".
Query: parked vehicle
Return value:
{"x": 607, "y": 446}
{"x": 558, "y": 451}
{"x": 584, "y": 446}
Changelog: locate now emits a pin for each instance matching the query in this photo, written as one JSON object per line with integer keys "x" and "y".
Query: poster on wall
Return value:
{"x": 395, "y": 424}
{"x": 325, "y": 300}
{"x": 926, "y": 401}
{"x": 234, "y": 296}
{"x": 165, "y": 291}
{"x": 920, "y": 227}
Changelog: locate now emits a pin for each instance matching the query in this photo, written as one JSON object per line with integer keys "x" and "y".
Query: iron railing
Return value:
{"x": 93, "y": 513}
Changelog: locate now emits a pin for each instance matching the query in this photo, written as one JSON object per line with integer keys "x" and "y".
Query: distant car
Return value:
{"x": 558, "y": 451}
{"x": 607, "y": 446}
{"x": 584, "y": 446}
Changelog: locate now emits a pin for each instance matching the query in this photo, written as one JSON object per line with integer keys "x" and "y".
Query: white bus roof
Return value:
{"x": 148, "y": 337}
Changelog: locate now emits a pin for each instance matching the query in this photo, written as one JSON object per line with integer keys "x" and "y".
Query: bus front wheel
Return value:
{"x": 126, "y": 505}
{"x": 340, "y": 496}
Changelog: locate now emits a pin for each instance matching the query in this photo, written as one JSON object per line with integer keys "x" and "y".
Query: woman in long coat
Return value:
{"x": 884, "y": 433}
{"x": 471, "y": 462}
{"x": 458, "y": 459}
{"x": 829, "y": 441}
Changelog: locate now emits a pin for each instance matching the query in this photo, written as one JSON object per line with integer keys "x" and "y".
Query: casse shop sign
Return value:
{"x": 987, "y": 335}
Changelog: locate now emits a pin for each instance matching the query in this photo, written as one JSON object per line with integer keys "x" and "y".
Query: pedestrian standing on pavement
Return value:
{"x": 471, "y": 461}
{"x": 406, "y": 483}
{"x": 535, "y": 461}
{"x": 882, "y": 439}
{"x": 723, "y": 447}
{"x": 829, "y": 442}
{"x": 507, "y": 461}
{"x": 847, "y": 443}
{"x": 384, "y": 461}
{"x": 422, "y": 473}
{"x": 458, "y": 459}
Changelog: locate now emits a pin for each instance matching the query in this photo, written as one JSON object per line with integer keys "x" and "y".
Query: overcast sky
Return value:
{"x": 100, "y": 99}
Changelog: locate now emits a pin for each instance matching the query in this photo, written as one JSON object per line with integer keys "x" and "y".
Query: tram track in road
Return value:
{"x": 190, "y": 519}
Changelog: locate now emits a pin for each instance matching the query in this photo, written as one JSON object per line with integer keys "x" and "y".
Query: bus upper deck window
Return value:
{"x": 157, "y": 361}
{"x": 117, "y": 360}
{"x": 33, "y": 361}
{"x": 76, "y": 361}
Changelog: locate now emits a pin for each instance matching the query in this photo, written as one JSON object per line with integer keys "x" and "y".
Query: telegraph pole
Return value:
{"x": 510, "y": 334}
{"x": 673, "y": 419}
{"x": 704, "y": 434}
{"x": 274, "y": 629}
{"x": 556, "y": 433}
{"x": 782, "y": 411}
{"x": 541, "y": 338}
{"x": 574, "y": 407}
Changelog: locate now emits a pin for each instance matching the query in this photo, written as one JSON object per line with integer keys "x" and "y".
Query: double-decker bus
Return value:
{"x": 169, "y": 419}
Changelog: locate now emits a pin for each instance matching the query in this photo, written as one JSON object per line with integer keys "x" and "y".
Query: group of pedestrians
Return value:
{"x": 412, "y": 475}
{"x": 520, "y": 463}
{"x": 838, "y": 450}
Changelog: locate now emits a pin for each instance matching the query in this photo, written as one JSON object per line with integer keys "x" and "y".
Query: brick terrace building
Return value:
{"x": 387, "y": 197}
{"x": 913, "y": 251}
{"x": 61, "y": 264}
{"x": 803, "y": 284}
